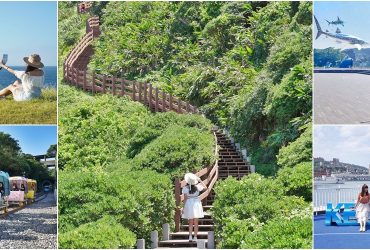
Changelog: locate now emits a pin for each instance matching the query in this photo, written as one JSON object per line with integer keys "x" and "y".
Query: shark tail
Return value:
{"x": 319, "y": 30}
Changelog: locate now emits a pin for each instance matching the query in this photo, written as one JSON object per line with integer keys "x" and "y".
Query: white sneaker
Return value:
{"x": 195, "y": 238}
{"x": 190, "y": 238}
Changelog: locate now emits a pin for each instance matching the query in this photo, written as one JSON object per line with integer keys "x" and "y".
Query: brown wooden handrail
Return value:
{"x": 75, "y": 73}
{"x": 145, "y": 93}
{"x": 209, "y": 176}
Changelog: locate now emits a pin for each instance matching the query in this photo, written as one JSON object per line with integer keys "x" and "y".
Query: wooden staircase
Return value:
{"x": 231, "y": 163}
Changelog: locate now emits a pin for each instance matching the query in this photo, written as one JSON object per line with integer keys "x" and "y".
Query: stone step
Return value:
{"x": 202, "y": 221}
{"x": 233, "y": 172}
{"x": 230, "y": 155}
{"x": 178, "y": 243}
{"x": 203, "y": 228}
{"x": 184, "y": 235}
{"x": 227, "y": 157}
{"x": 229, "y": 152}
{"x": 223, "y": 162}
{"x": 227, "y": 160}
{"x": 228, "y": 166}
{"x": 207, "y": 207}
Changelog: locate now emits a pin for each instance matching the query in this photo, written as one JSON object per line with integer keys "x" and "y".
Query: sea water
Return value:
{"x": 335, "y": 193}
{"x": 50, "y": 73}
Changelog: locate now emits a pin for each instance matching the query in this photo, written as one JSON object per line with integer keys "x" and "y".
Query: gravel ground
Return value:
{"x": 31, "y": 227}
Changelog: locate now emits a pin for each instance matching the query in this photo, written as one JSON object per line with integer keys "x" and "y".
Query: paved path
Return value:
{"x": 32, "y": 227}
{"x": 339, "y": 237}
{"x": 341, "y": 98}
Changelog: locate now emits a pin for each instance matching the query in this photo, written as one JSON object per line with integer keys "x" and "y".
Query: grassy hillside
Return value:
{"x": 247, "y": 65}
{"x": 111, "y": 146}
{"x": 37, "y": 111}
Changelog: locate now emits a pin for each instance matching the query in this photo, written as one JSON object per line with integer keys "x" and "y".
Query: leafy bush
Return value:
{"x": 245, "y": 206}
{"x": 297, "y": 151}
{"x": 96, "y": 131}
{"x": 293, "y": 96}
{"x": 177, "y": 151}
{"x": 105, "y": 233}
{"x": 288, "y": 233}
{"x": 140, "y": 201}
{"x": 154, "y": 127}
{"x": 297, "y": 180}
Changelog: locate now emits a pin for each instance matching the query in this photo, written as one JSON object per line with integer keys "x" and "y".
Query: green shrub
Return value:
{"x": 245, "y": 206}
{"x": 297, "y": 180}
{"x": 154, "y": 127}
{"x": 282, "y": 233}
{"x": 97, "y": 131}
{"x": 140, "y": 201}
{"x": 297, "y": 151}
{"x": 105, "y": 233}
{"x": 293, "y": 96}
{"x": 177, "y": 151}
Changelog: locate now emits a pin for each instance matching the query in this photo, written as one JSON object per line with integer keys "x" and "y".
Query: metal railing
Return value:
{"x": 334, "y": 195}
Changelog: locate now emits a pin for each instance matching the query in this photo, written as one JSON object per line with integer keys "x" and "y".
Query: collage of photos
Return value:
{"x": 188, "y": 124}
{"x": 341, "y": 103}
{"x": 28, "y": 125}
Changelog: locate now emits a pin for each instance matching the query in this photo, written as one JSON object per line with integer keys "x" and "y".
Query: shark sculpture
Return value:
{"x": 336, "y": 22}
{"x": 340, "y": 37}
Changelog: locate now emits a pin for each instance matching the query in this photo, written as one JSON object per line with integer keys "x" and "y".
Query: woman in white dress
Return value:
{"x": 30, "y": 81}
{"x": 362, "y": 207}
{"x": 193, "y": 209}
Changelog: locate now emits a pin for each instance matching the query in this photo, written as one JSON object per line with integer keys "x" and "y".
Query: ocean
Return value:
{"x": 50, "y": 76}
{"x": 335, "y": 193}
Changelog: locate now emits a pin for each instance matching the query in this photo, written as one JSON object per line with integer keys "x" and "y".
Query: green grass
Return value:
{"x": 38, "y": 111}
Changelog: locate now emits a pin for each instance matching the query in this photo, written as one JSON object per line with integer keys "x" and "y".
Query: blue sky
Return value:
{"x": 350, "y": 143}
{"x": 34, "y": 140}
{"x": 354, "y": 14}
{"x": 27, "y": 28}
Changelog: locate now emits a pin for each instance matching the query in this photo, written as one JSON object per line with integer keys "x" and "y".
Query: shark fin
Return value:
{"x": 319, "y": 30}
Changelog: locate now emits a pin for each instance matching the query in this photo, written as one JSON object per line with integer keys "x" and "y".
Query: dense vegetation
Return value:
{"x": 120, "y": 160}
{"x": 16, "y": 163}
{"x": 246, "y": 65}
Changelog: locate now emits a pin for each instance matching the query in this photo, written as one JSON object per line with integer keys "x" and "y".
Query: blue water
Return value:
{"x": 50, "y": 76}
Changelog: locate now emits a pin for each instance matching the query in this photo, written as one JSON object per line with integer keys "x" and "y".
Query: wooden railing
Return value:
{"x": 145, "y": 93}
{"x": 84, "y": 42}
{"x": 83, "y": 7}
{"x": 209, "y": 176}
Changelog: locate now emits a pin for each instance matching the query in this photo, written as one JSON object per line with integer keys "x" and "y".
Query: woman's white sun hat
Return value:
{"x": 34, "y": 60}
{"x": 191, "y": 179}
